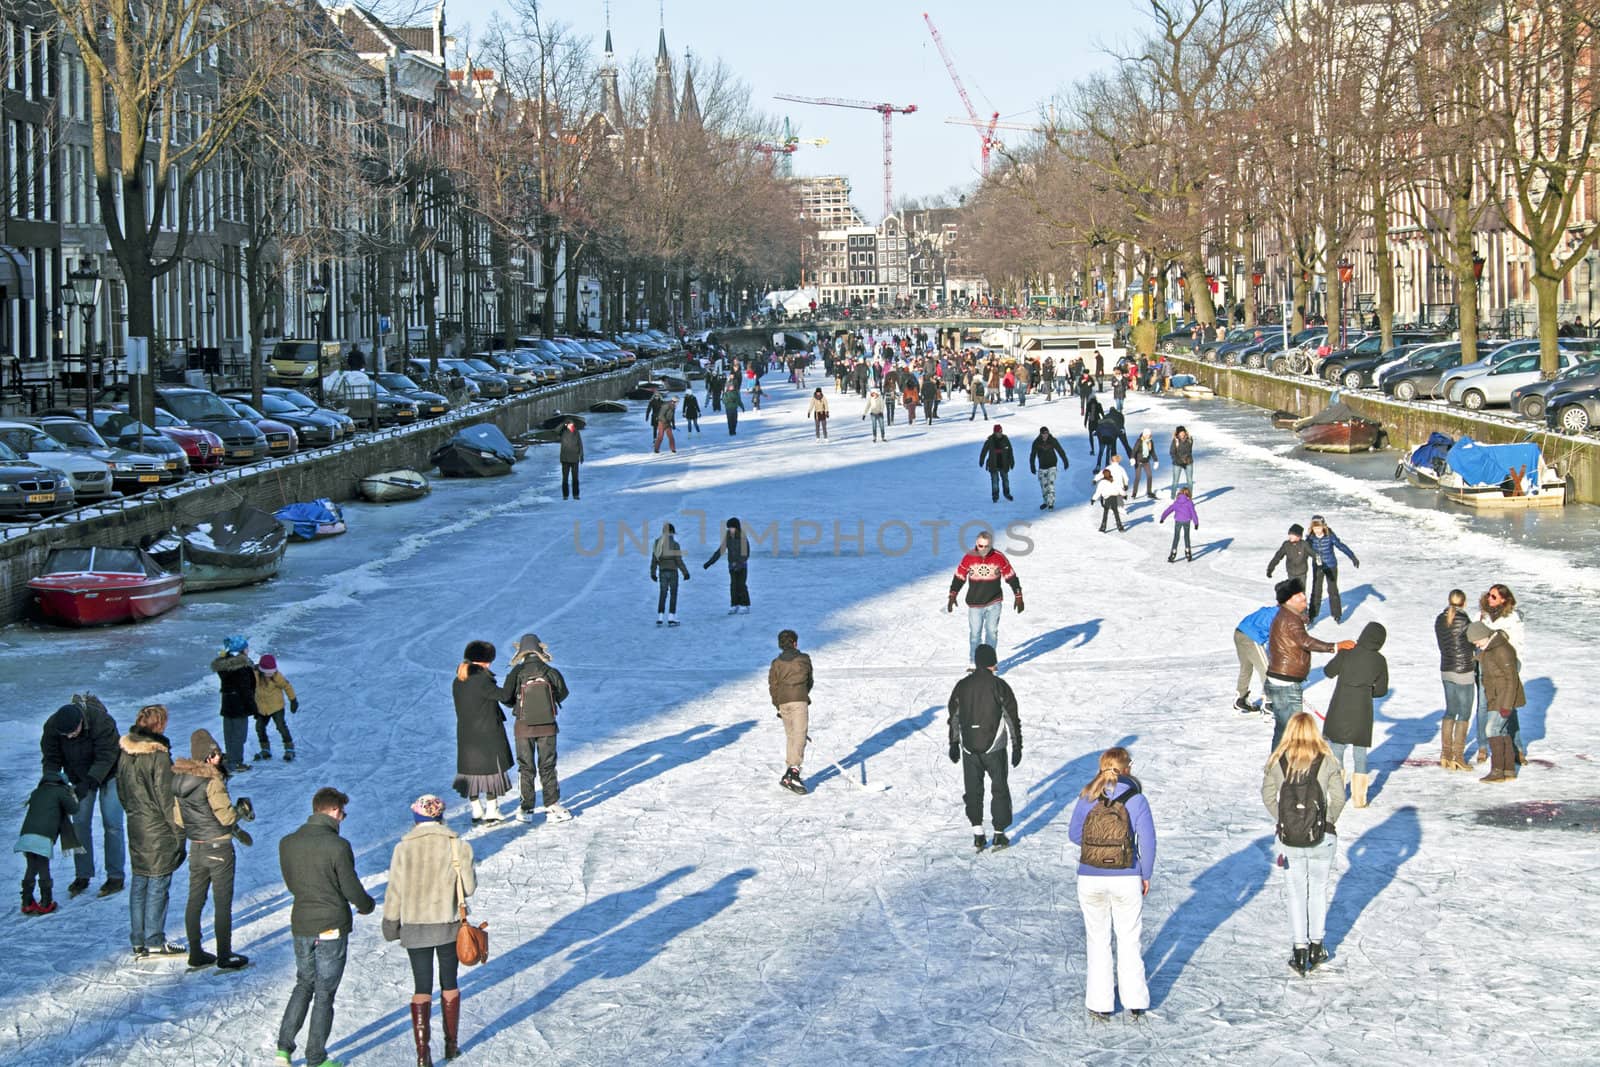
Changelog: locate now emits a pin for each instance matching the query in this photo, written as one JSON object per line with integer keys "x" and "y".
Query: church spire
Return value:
{"x": 610, "y": 94}
{"x": 689, "y": 110}
{"x": 662, "y": 105}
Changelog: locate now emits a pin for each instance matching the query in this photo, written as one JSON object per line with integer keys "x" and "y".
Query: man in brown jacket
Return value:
{"x": 789, "y": 684}
{"x": 1289, "y": 648}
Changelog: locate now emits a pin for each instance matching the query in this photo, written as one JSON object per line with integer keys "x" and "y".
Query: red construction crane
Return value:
{"x": 888, "y": 111}
{"x": 986, "y": 135}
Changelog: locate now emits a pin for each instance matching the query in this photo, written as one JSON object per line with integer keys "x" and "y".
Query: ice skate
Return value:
{"x": 557, "y": 813}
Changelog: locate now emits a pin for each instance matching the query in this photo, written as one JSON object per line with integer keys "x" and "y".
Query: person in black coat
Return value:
{"x": 49, "y": 816}
{"x": 81, "y": 741}
{"x": 1361, "y": 674}
{"x": 1110, "y": 431}
{"x": 691, "y": 413}
{"x": 483, "y": 756}
{"x": 1042, "y": 461}
{"x": 236, "y": 675}
{"x": 997, "y": 458}
{"x": 983, "y": 717}
{"x": 572, "y": 456}
{"x": 737, "y": 547}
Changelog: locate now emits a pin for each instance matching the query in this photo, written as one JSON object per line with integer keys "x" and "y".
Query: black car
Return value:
{"x": 343, "y": 424}
{"x": 28, "y": 488}
{"x": 131, "y": 471}
{"x": 1370, "y": 347}
{"x": 313, "y": 427}
{"x": 429, "y": 405}
{"x": 1532, "y": 400}
{"x": 121, "y": 430}
{"x": 392, "y": 408}
{"x": 203, "y": 409}
{"x": 1359, "y": 373}
{"x": 1574, "y": 411}
{"x": 1410, "y": 382}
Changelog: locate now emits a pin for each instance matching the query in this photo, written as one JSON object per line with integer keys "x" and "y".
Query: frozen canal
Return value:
{"x": 694, "y": 912}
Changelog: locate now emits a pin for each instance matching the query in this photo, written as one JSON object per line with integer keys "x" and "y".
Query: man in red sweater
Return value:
{"x": 982, "y": 570}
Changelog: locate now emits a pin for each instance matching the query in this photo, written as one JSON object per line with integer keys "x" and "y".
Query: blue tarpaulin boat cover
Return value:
{"x": 1490, "y": 464}
{"x": 307, "y": 516}
{"x": 1430, "y": 455}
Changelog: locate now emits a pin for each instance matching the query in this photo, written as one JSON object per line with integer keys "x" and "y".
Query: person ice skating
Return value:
{"x": 1181, "y": 452}
{"x": 1503, "y": 694}
{"x": 977, "y": 390}
{"x": 155, "y": 843}
{"x": 666, "y": 564}
{"x": 571, "y": 454}
{"x": 910, "y": 395}
{"x": 535, "y": 690}
{"x": 1109, "y": 432}
{"x": 431, "y": 875}
{"x": 1289, "y": 648}
{"x": 666, "y": 417}
{"x": 1360, "y": 675}
{"x": 1183, "y": 516}
{"x": 789, "y": 683}
{"x": 983, "y": 570}
{"x": 737, "y": 547}
{"x": 997, "y": 458}
{"x": 236, "y": 675}
{"x": 1250, "y": 645}
{"x": 483, "y": 757}
{"x": 48, "y": 818}
{"x": 1042, "y": 461}
{"x": 1294, "y": 554}
{"x": 875, "y": 410}
{"x": 80, "y": 741}
{"x": 1119, "y": 391}
{"x": 273, "y": 691}
{"x": 818, "y": 411}
{"x": 1091, "y": 422}
{"x": 319, "y": 871}
{"x": 732, "y": 405}
{"x": 1497, "y": 609}
{"x": 983, "y": 718}
{"x": 691, "y": 413}
{"x": 209, "y": 818}
{"x": 756, "y": 392}
{"x": 1116, "y": 838}
{"x": 930, "y": 396}
{"x": 1325, "y": 566}
{"x": 1107, "y": 494}
{"x": 1303, "y": 790}
{"x": 1458, "y": 670}
{"x": 1145, "y": 463}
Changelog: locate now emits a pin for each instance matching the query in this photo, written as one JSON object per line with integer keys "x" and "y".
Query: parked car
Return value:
{"x": 242, "y": 441}
{"x": 554, "y": 354}
{"x": 1490, "y": 354}
{"x": 515, "y": 382}
{"x": 1574, "y": 411}
{"x": 312, "y": 428}
{"x": 1495, "y": 387}
{"x": 603, "y": 346}
{"x": 297, "y": 362}
{"x": 1419, "y": 377}
{"x": 525, "y": 367}
{"x": 344, "y": 424}
{"x": 281, "y": 438}
{"x": 448, "y": 378}
{"x": 1178, "y": 340}
{"x": 392, "y": 408}
{"x": 1363, "y": 373}
{"x": 205, "y": 449}
{"x": 130, "y": 471}
{"x": 91, "y": 478}
{"x": 491, "y": 384}
{"x": 29, "y": 488}
{"x": 1368, "y": 348}
{"x": 1531, "y": 400}
{"x": 121, "y": 430}
{"x": 429, "y": 404}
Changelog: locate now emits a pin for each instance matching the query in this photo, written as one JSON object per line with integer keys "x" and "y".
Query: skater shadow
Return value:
{"x": 1078, "y": 634}
{"x": 593, "y": 920}
{"x": 1212, "y": 547}
{"x": 878, "y": 743}
{"x": 1059, "y": 790}
{"x": 1371, "y": 864}
{"x": 1541, "y": 693}
{"x": 1147, "y": 519}
{"x": 1399, "y": 743}
{"x": 1221, "y": 891}
{"x": 617, "y": 774}
{"x": 1351, "y": 599}
{"x": 1212, "y": 493}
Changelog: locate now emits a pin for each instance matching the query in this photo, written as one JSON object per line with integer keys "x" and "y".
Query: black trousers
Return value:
{"x": 733, "y": 421}
{"x": 211, "y": 867}
{"x": 974, "y": 769}
{"x": 569, "y": 470}
{"x": 422, "y": 967}
{"x": 537, "y": 753}
{"x": 1330, "y": 575}
{"x": 279, "y": 720}
{"x": 668, "y": 593}
{"x": 739, "y": 588}
{"x": 38, "y": 869}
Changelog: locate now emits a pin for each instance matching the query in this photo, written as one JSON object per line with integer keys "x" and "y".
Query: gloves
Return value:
{"x": 1019, "y": 603}
{"x": 242, "y": 835}
{"x": 955, "y": 752}
{"x": 1269, "y": 572}
{"x": 654, "y": 577}
{"x": 706, "y": 565}
{"x": 294, "y": 705}
{"x": 1356, "y": 563}
{"x": 1016, "y": 755}
{"x": 245, "y": 810}
{"x": 85, "y": 787}
{"x": 686, "y": 577}
{"x": 950, "y": 605}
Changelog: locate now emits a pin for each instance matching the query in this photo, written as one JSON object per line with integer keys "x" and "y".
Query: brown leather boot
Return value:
{"x": 420, "y": 1015}
{"x": 450, "y": 1011}
{"x": 1498, "y": 760}
{"x": 1446, "y": 739}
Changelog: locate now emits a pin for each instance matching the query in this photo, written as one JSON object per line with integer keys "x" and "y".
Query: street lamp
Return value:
{"x": 1347, "y": 271}
{"x": 403, "y": 290}
{"x": 211, "y": 330}
{"x": 84, "y": 286}
{"x": 316, "y": 304}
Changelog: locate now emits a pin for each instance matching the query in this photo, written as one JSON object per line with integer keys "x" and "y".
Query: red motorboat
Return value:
{"x": 99, "y": 586}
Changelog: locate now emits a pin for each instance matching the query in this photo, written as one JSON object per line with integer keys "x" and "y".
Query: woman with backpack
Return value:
{"x": 1303, "y": 790}
{"x": 1116, "y": 836}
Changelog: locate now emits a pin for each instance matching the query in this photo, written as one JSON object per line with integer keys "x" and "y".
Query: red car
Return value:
{"x": 204, "y": 448}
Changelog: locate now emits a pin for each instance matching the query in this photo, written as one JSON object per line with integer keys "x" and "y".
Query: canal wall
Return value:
{"x": 332, "y": 472}
{"x": 1407, "y": 424}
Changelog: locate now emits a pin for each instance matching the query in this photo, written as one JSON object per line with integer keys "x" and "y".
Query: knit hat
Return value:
{"x": 997, "y": 428}
{"x": 1288, "y": 589}
{"x": 202, "y": 746}
{"x": 268, "y": 663}
{"x": 66, "y": 720}
{"x": 234, "y": 644}
{"x": 1477, "y": 631}
{"x": 428, "y": 808}
{"x": 985, "y": 657}
{"x": 1297, "y": 530}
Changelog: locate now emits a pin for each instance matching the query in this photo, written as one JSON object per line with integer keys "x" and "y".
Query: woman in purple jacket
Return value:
{"x": 1183, "y": 516}
{"x": 1117, "y": 839}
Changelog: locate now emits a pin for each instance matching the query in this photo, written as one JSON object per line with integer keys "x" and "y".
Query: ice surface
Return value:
{"x": 694, "y": 912}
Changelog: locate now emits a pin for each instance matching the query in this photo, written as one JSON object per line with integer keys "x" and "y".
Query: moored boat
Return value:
{"x": 312, "y": 520}
{"x": 1510, "y": 477}
{"x": 480, "y": 451}
{"x": 390, "y": 486}
{"x": 608, "y": 407}
{"x": 238, "y": 547}
{"x": 98, "y": 586}
{"x": 1337, "y": 428}
{"x": 1423, "y": 465}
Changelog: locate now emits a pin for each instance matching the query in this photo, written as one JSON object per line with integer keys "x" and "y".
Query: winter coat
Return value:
{"x": 736, "y": 545}
{"x": 1105, "y": 491}
{"x": 1182, "y": 510}
{"x": 666, "y": 559}
{"x": 1257, "y": 625}
{"x": 996, "y": 454}
{"x": 237, "y": 676}
{"x": 982, "y": 710}
{"x": 930, "y": 389}
{"x": 1140, "y": 821}
{"x": 319, "y": 870}
{"x": 273, "y": 691}
{"x": 731, "y": 401}
{"x": 481, "y": 746}
{"x": 429, "y": 868}
{"x": 1322, "y": 546}
{"x": 1182, "y": 451}
{"x": 51, "y": 807}
{"x": 1144, "y": 450}
{"x": 1455, "y": 651}
{"x": 144, "y": 785}
{"x": 1295, "y": 555}
{"x": 818, "y": 406}
{"x": 691, "y": 406}
{"x": 874, "y": 404}
{"x": 201, "y": 805}
{"x": 1044, "y": 452}
{"x": 534, "y": 722}
{"x": 1330, "y": 779}
{"x": 667, "y": 413}
{"x": 1502, "y": 687}
{"x": 571, "y": 445}
{"x": 89, "y": 757}
{"x": 1362, "y": 674}
{"x": 1289, "y": 647}
{"x": 789, "y": 678}
{"x": 1511, "y": 624}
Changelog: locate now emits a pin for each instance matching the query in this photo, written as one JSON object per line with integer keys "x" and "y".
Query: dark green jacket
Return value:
{"x": 50, "y": 810}
{"x": 319, "y": 869}
{"x": 144, "y": 785}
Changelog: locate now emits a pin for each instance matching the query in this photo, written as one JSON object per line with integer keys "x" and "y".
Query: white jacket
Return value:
{"x": 875, "y": 403}
{"x": 1119, "y": 478}
{"x": 1104, "y": 489}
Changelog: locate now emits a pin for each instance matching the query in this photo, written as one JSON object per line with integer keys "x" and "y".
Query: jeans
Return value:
{"x": 1252, "y": 659}
{"x": 1180, "y": 528}
{"x": 318, "y": 968}
{"x": 211, "y": 867}
{"x": 1113, "y": 902}
{"x": 879, "y": 428}
{"x": 1110, "y": 507}
{"x": 147, "y": 911}
{"x": 820, "y": 425}
{"x": 538, "y": 754}
{"x": 1488, "y": 726}
{"x": 1287, "y": 700}
{"x": 978, "y": 406}
{"x": 1330, "y": 576}
{"x": 1458, "y": 699}
{"x": 1358, "y": 764}
{"x": 1047, "y": 485}
{"x": 1305, "y": 885}
{"x": 422, "y": 968}
{"x": 111, "y": 823}
{"x": 1187, "y": 472}
{"x": 1022, "y": 395}
{"x": 997, "y": 479}
{"x": 733, "y": 421}
{"x": 974, "y": 770}
{"x": 983, "y": 628}
{"x": 235, "y": 731}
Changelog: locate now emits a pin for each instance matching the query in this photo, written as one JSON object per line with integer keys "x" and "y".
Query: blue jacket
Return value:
{"x": 1257, "y": 625}
{"x": 1322, "y": 549}
{"x": 1144, "y": 831}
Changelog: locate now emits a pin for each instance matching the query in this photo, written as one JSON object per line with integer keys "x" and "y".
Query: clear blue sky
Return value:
{"x": 1012, "y": 54}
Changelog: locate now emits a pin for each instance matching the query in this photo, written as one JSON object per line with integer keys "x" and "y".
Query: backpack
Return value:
{"x": 1302, "y": 809}
{"x": 1108, "y": 834}
{"x": 536, "y": 701}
